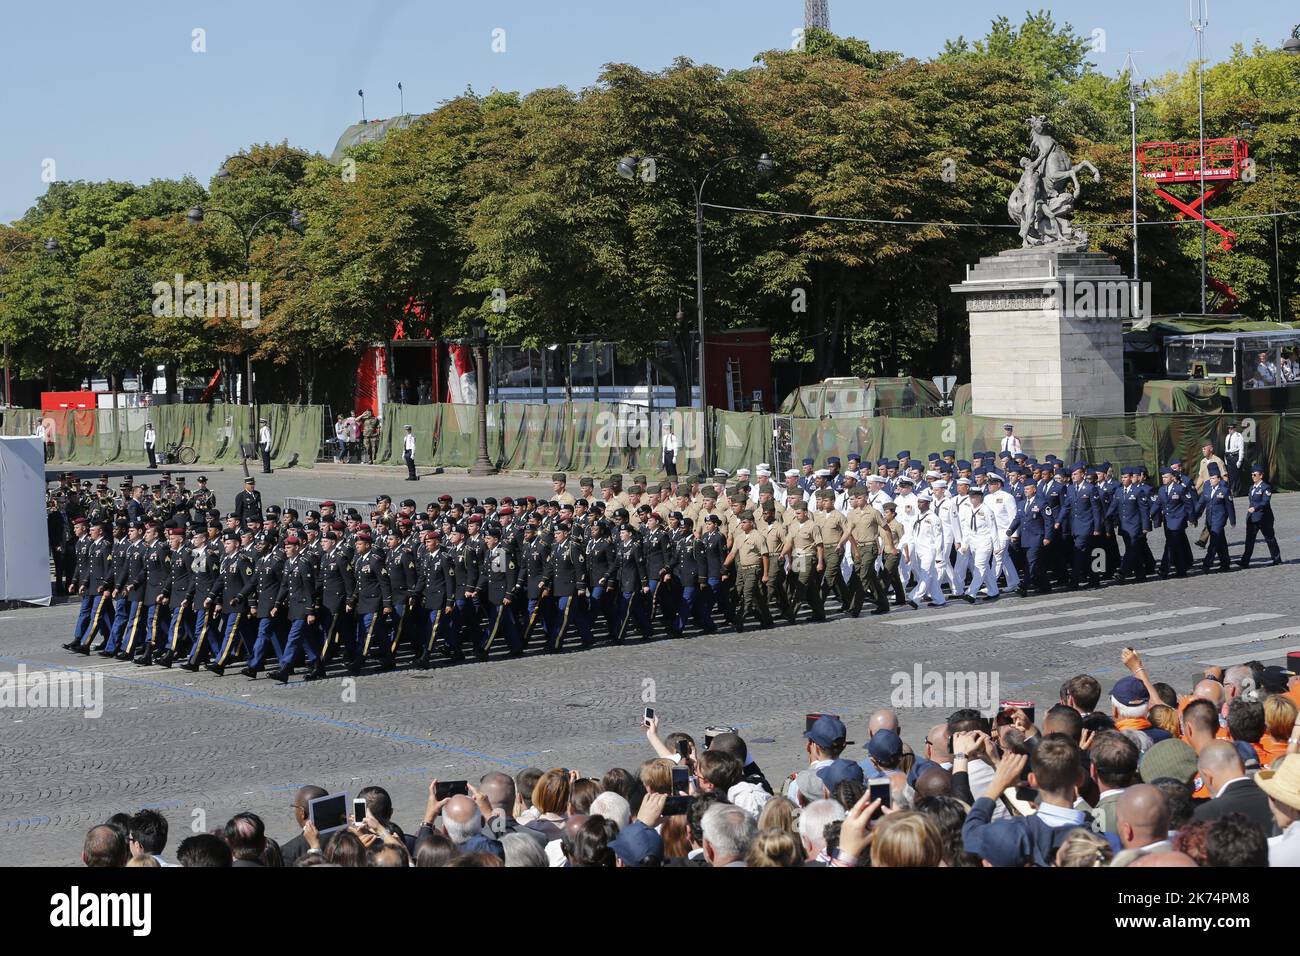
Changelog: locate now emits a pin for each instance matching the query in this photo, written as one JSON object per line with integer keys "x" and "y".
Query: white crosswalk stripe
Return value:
{"x": 1218, "y": 642}
{"x": 1109, "y": 622}
{"x": 1179, "y": 629}
{"x": 961, "y": 610}
{"x": 1250, "y": 654}
{"x": 1051, "y": 616}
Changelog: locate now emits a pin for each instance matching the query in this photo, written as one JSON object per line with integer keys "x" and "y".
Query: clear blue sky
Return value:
{"x": 113, "y": 91}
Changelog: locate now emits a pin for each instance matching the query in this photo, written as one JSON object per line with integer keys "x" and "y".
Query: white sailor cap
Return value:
{"x": 741, "y": 471}
{"x": 962, "y": 481}
{"x": 764, "y": 466}
{"x": 932, "y": 474}
{"x": 792, "y": 473}
{"x": 925, "y": 496}
{"x": 939, "y": 484}
{"x": 822, "y": 473}
{"x": 878, "y": 479}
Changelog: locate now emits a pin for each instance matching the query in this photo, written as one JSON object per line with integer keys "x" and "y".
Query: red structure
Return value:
{"x": 738, "y": 364}
{"x": 1168, "y": 164}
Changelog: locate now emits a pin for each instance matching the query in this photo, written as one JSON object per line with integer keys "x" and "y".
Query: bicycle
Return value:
{"x": 177, "y": 453}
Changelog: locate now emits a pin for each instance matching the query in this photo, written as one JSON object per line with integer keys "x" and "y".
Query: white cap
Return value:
{"x": 792, "y": 473}
{"x": 925, "y": 496}
{"x": 939, "y": 484}
{"x": 741, "y": 471}
{"x": 962, "y": 481}
{"x": 822, "y": 473}
{"x": 764, "y": 466}
{"x": 720, "y": 473}
{"x": 932, "y": 474}
{"x": 878, "y": 479}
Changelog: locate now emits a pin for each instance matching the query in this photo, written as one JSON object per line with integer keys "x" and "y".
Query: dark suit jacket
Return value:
{"x": 246, "y": 863}
{"x": 1240, "y": 796}
{"x": 294, "y": 849}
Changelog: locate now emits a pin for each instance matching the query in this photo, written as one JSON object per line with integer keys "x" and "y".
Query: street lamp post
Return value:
{"x": 483, "y": 464}
{"x": 297, "y": 220}
{"x": 628, "y": 168}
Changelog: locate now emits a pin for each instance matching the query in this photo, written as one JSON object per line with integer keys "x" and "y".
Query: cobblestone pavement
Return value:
{"x": 200, "y": 748}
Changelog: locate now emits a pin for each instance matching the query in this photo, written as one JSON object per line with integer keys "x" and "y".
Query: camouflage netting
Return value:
{"x": 1167, "y": 395}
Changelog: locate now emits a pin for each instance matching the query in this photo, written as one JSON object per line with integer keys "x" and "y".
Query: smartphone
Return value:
{"x": 359, "y": 809}
{"x": 451, "y": 788}
{"x": 878, "y": 787}
{"x": 681, "y": 780}
{"x": 649, "y": 716}
{"x": 1027, "y": 794}
{"x": 1007, "y": 706}
{"x": 676, "y": 806}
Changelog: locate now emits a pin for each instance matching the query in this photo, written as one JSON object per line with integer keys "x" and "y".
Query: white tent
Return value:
{"x": 24, "y": 547}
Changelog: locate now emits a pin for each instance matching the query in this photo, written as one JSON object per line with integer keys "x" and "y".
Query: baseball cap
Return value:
{"x": 827, "y": 731}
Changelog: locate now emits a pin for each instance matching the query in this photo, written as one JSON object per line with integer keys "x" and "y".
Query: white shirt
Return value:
{"x": 1011, "y": 444}
{"x": 150, "y": 436}
{"x": 408, "y": 444}
{"x": 264, "y": 436}
{"x": 1284, "y": 850}
{"x": 670, "y": 443}
{"x": 1235, "y": 445}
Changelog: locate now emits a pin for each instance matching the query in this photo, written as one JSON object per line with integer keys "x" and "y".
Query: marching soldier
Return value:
{"x": 337, "y": 585}
{"x": 180, "y": 597}
{"x": 1082, "y": 520}
{"x": 600, "y": 559}
{"x": 300, "y": 598}
{"x": 774, "y": 534}
{"x": 122, "y": 542}
{"x": 749, "y": 554}
{"x": 435, "y": 589}
{"x": 373, "y": 597}
{"x": 157, "y": 566}
{"x": 807, "y": 555}
{"x": 231, "y": 597}
{"x": 1132, "y": 516}
{"x": 1033, "y": 528}
{"x": 833, "y": 527}
{"x": 924, "y": 542}
{"x": 1174, "y": 506}
{"x": 403, "y": 581}
{"x": 861, "y": 535}
{"x": 687, "y": 566}
{"x": 268, "y": 573}
{"x": 248, "y": 503}
{"x": 656, "y": 548}
{"x": 1259, "y": 518}
{"x": 567, "y": 581}
{"x": 713, "y": 554}
{"x": 206, "y": 567}
{"x": 891, "y": 533}
{"x": 498, "y": 584}
{"x": 96, "y": 591}
{"x": 1215, "y": 505}
{"x": 633, "y": 583}
{"x": 534, "y": 558}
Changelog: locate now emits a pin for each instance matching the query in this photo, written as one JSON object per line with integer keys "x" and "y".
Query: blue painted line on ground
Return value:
{"x": 29, "y": 821}
{"x": 272, "y": 710}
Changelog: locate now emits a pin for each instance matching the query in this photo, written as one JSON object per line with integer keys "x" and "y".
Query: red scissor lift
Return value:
{"x": 1170, "y": 164}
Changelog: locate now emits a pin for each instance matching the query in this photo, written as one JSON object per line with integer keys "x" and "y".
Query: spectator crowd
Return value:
{"x": 1145, "y": 776}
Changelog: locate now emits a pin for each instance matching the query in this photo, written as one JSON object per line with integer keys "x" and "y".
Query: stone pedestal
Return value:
{"x": 1046, "y": 328}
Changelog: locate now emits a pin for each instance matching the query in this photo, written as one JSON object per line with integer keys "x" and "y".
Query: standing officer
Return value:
{"x": 498, "y": 584}
{"x": 435, "y": 588}
{"x": 1216, "y": 506}
{"x": 268, "y": 573}
{"x": 231, "y": 596}
{"x": 300, "y": 598}
{"x": 408, "y": 453}
{"x": 566, "y": 580}
{"x": 1133, "y": 517}
{"x": 750, "y": 556}
{"x": 1259, "y": 518}
{"x": 1234, "y": 456}
{"x": 1033, "y": 528}
{"x": 248, "y": 503}
{"x": 150, "y": 440}
{"x": 372, "y": 598}
{"x": 264, "y": 443}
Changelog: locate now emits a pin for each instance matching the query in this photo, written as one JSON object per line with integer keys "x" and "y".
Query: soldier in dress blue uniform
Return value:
{"x": 123, "y": 540}
{"x": 1131, "y": 516}
{"x": 499, "y": 585}
{"x": 1082, "y": 520}
{"x": 656, "y": 548}
{"x": 632, "y": 582}
{"x": 300, "y": 598}
{"x": 713, "y": 556}
{"x": 600, "y": 570}
{"x": 1259, "y": 518}
{"x": 180, "y": 598}
{"x": 96, "y": 588}
{"x": 373, "y": 598}
{"x": 334, "y": 618}
{"x": 688, "y": 566}
{"x": 403, "y": 579}
{"x": 232, "y": 597}
{"x": 1061, "y": 553}
{"x": 268, "y": 574}
{"x": 1215, "y": 506}
{"x": 567, "y": 582}
{"x": 534, "y": 558}
{"x": 435, "y": 590}
{"x": 1110, "y": 489}
{"x": 205, "y": 564}
{"x": 1034, "y": 527}
{"x": 1173, "y": 507}
{"x": 157, "y": 567}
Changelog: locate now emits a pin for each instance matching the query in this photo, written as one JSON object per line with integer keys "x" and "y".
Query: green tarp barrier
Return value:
{"x": 116, "y": 436}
